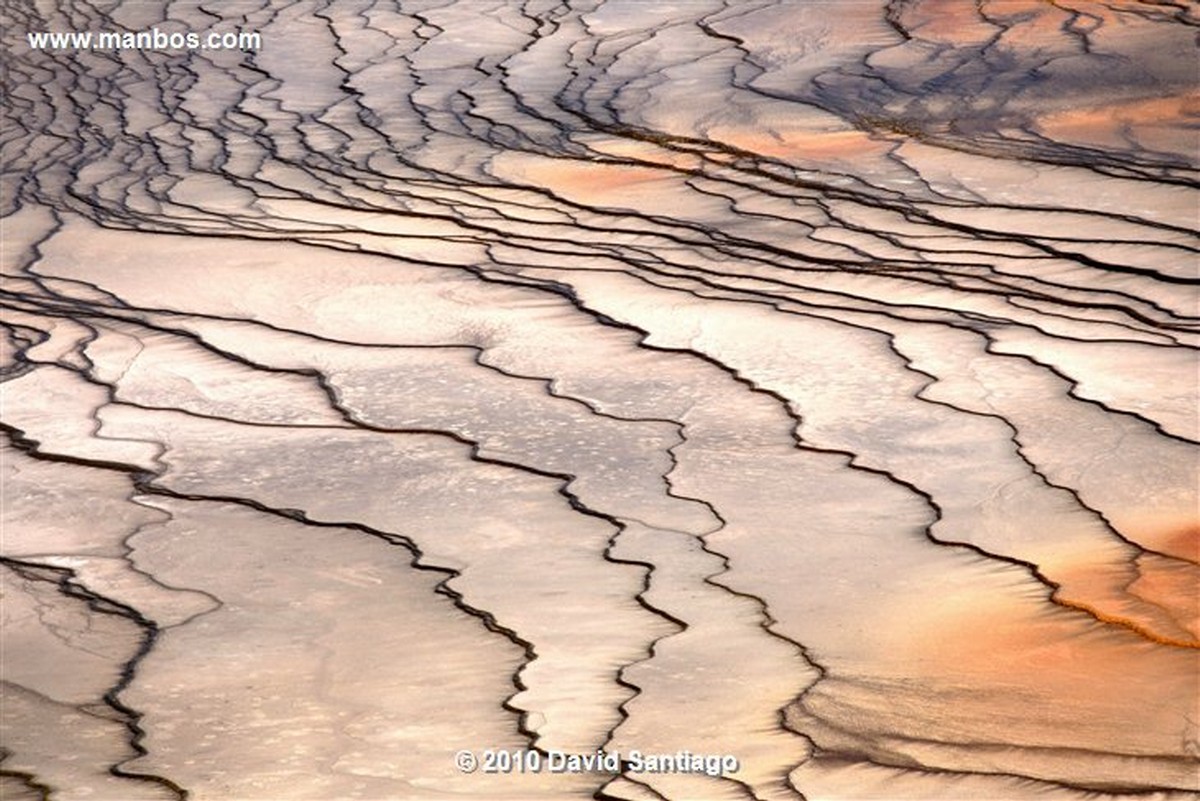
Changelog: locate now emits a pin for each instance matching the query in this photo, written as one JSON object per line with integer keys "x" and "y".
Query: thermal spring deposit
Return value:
{"x": 521, "y": 400}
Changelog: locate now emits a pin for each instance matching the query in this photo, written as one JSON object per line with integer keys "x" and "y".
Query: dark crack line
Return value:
{"x": 67, "y": 583}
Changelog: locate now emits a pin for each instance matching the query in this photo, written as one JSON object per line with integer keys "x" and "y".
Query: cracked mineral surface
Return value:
{"x": 807, "y": 388}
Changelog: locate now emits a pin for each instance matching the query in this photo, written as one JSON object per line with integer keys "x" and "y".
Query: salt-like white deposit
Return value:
{"x": 518, "y": 400}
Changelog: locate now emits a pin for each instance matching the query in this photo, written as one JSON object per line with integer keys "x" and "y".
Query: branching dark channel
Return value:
{"x": 612, "y": 400}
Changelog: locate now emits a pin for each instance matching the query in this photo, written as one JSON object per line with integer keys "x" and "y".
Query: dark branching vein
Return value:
{"x": 424, "y": 152}
{"x": 67, "y": 583}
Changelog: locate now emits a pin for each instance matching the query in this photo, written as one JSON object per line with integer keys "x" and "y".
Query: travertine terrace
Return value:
{"x": 808, "y": 384}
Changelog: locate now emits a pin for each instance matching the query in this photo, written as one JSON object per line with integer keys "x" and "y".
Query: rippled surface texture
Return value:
{"x": 813, "y": 384}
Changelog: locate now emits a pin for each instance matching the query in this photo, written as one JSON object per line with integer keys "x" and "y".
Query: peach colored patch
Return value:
{"x": 801, "y": 144}
{"x": 1104, "y": 124}
{"x": 1158, "y": 610}
{"x": 1172, "y": 585}
{"x": 582, "y": 180}
{"x": 1133, "y": 691}
{"x": 948, "y": 22}
{"x": 1175, "y": 536}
